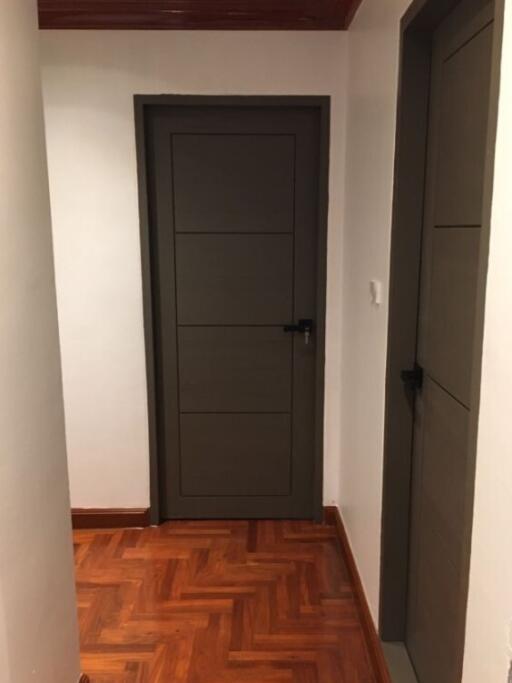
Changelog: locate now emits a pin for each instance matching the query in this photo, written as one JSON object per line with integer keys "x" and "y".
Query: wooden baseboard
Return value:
{"x": 109, "y": 518}
{"x": 333, "y": 517}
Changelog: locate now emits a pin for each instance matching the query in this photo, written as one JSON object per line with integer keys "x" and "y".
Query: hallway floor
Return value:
{"x": 218, "y": 602}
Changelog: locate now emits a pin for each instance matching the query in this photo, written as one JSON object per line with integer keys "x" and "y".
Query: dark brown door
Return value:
{"x": 235, "y": 197}
{"x": 443, "y": 471}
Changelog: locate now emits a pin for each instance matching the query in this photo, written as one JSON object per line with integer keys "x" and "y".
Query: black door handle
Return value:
{"x": 413, "y": 379}
{"x": 305, "y": 325}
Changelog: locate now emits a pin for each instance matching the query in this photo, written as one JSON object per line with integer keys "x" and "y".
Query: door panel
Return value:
{"x": 444, "y": 467}
{"x": 234, "y": 279}
{"x": 442, "y": 470}
{"x": 455, "y": 253}
{"x": 235, "y": 455}
{"x": 435, "y": 614}
{"x": 217, "y": 190}
{"x": 462, "y": 134}
{"x": 234, "y": 194}
{"x": 235, "y": 369}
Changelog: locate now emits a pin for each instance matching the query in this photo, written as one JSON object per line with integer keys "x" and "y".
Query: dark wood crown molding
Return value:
{"x": 286, "y": 15}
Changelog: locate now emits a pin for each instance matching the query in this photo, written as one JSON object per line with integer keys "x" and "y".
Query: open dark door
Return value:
{"x": 443, "y": 467}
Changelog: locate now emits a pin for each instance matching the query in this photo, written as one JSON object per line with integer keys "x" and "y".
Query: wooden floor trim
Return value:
{"x": 109, "y": 518}
{"x": 333, "y": 517}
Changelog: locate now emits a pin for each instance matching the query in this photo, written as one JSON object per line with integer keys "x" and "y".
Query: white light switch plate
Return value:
{"x": 376, "y": 292}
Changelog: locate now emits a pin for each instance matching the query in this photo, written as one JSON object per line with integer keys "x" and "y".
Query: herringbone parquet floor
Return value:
{"x": 218, "y": 602}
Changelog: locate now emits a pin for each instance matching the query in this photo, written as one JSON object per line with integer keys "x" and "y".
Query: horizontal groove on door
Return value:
{"x": 231, "y": 232}
{"x": 235, "y": 412}
{"x": 230, "y": 325}
{"x": 465, "y": 226}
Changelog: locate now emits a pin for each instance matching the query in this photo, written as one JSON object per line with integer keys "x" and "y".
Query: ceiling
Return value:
{"x": 289, "y": 15}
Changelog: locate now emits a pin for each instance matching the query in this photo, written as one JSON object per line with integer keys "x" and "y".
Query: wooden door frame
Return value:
{"x": 141, "y": 104}
{"x": 417, "y": 28}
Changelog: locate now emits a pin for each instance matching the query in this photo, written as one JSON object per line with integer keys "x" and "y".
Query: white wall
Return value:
{"x": 489, "y": 621}
{"x": 38, "y": 630}
{"x": 371, "y": 122}
{"x": 89, "y": 80}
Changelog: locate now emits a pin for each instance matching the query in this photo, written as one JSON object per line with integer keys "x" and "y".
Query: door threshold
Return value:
{"x": 399, "y": 663}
